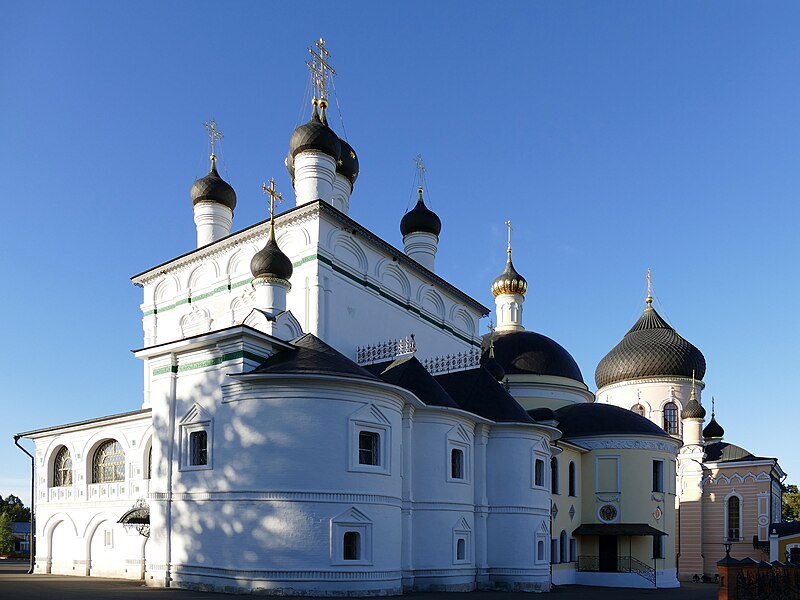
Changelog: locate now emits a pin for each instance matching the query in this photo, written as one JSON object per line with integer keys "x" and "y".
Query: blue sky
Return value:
{"x": 616, "y": 136}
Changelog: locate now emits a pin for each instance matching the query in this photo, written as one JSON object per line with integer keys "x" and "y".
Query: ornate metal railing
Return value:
{"x": 625, "y": 564}
{"x": 388, "y": 350}
{"x": 460, "y": 361}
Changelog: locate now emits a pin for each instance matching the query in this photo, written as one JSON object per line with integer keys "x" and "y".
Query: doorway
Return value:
{"x": 608, "y": 554}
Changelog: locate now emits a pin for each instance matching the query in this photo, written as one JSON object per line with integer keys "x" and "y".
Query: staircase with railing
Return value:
{"x": 625, "y": 564}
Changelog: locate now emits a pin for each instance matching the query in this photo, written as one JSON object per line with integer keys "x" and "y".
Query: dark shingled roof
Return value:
{"x": 213, "y": 188}
{"x": 408, "y": 373}
{"x": 312, "y": 356}
{"x": 420, "y": 219}
{"x": 478, "y": 392}
{"x": 651, "y": 348}
{"x": 725, "y": 452}
{"x": 577, "y": 420}
{"x": 531, "y": 353}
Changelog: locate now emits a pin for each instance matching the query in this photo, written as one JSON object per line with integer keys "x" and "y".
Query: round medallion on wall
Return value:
{"x": 608, "y": 513}
{"x": 658, "y": 512}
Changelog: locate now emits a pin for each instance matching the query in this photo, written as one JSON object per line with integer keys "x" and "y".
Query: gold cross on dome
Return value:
{"x": 213, "y": 133}
{"x": 320, "y": 68}
{"x": 508, "y": 224}
{"x": 273, "y": 196}
{"x": 649, "y": 298}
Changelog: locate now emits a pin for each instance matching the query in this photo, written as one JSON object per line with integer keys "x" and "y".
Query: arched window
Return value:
{"x": 108, "y": 463}
{"x": 564, "y": 547}
{"x": 572, "y": 486}
{"x": 554, "y": 475}
{"x": 540, "y": 550}
{"x": 734, "y": 518}
{"x": 638, "y": 409}
{"x": 62, "y": 468}
{"x": 150, "y": 463}
{"x": 671, "y": 417}
{"x": 351, "y": 545}
{"x": 461, "y": 549}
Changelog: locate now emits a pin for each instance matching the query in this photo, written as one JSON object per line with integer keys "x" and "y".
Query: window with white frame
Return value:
{"x": 370, "y": 441}
{"x": 351, "y": 538}
{"x": 196, "y": 440}
{"x": 62, "y": 468}
{"x": 459, "y": 444}
{"x": 456, "y": 463}
{"x": 733, "y": 518}
{"x": 658, "y": 475}
{"x": 671, "y": 417}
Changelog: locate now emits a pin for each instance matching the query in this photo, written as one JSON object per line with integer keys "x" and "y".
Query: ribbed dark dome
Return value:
{"x": 576, "y": 420}
{"x": 271, "y": 262}
{"x": 420, "y": 219}
{"x": 213, "y": 188}
{"x": 289, "y": 162}
{"x": 509, "y": 281}
{"x": 694, "y": 410}
{"x": 713, "y": 429}
{"x": 531, "y": 353}
{"x": 650, "y": 349}
{"x": 348, "y": 162}
{"x": 315, "y": 135}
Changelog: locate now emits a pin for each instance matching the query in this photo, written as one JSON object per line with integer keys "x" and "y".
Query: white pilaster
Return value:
{"x": 270, "y": 295}
{"x": 341, "y": 193}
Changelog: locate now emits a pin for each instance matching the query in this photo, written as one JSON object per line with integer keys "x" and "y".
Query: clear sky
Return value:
{"x": 616, "y": 136}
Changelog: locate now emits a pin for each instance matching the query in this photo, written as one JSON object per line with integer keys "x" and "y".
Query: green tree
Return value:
{"x": 790, "y": 503}
{"x": 15, "y": 509}
{"x": 6, "y": 535}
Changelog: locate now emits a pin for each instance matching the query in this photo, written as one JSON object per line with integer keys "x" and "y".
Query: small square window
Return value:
{"x": 198, "y": 448}
{"x": 457, "y": 463}
{"x": 369, "y": 446}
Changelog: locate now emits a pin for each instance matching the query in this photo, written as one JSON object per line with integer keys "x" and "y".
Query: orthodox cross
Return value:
{"x": 420, "y": 168}
{"x": 491, "y": 339}
{"x": 320, "y": 68}
{"x": 273, "y": 196}
{"x": 508, "y": 224}
{"x": 213, "y": 133}
{"x": 649, "y": 298}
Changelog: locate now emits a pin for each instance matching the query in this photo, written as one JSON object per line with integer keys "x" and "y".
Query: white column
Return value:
{"x": 422, "y": 247}
{"x": 314, "y": 173}
{"x": 213, "y": 221}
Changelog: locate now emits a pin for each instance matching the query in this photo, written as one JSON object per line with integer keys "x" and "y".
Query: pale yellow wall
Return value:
{"x": 562, "y": 500}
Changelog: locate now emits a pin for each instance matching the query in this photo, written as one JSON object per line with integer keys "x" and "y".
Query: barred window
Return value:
{"x": 671, "y": 417}
{"x": 638, "y": 409}
{"x": 108, "y": 463}
{"x": 62, "y": 468}
{"x": 198, "y": 447}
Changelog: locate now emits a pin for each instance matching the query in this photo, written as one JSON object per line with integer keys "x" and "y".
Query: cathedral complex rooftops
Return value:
{"x": 651, "y": 348}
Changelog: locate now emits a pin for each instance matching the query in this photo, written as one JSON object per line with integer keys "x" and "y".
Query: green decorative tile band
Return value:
{"x": 201, "y": 364}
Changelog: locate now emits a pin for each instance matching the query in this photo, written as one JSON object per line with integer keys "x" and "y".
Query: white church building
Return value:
{"x": 282, "y": 447}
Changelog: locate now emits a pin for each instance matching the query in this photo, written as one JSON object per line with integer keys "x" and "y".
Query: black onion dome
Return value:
{"x": 420, "y": 219}
{"x": 694, "y": 410}
{"x": 289, "y": 162}
{"x": 271, "y": 262}
{"x": 531, "y": 353}
{"x": 509, "y": 281}
{"x": 213, "y": 188}
{"x": 348, "y": 162}
{"x": 315, "y": 135}
{"x": 650, "y": 349}
{"x": 713, "y": 429}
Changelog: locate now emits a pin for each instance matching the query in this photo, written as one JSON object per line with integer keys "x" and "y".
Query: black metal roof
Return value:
{"x": 312, "y": 356}
{"x": 617, "y": 529}
{"x": 476, "y": 391}
{"x": 785, "y": 528}
{"x": 531, "y": 353}
{"x": 725, "y": 452}
{"x": 651, "y": 348}
{"x": 579, "y": 420}
{"x": 408, "y": 373}
{"x": 713, "y": 429}
{"x": 270, "y": 261}
{"x": 213, "y": 188}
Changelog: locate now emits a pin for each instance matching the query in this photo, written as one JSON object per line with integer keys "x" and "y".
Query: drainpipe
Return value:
{"x": 31, "y": 544}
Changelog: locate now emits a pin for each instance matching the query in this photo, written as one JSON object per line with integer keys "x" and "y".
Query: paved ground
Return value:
{"x": 16, "y": 584}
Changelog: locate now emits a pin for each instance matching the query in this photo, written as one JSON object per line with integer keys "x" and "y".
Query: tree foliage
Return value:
{"x": 15, "y": 509}
{"x": 6, "y": 535}
{"x": 790, "y": 503}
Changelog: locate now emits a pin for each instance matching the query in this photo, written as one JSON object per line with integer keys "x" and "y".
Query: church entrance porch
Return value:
{"x": 607, "y": 559}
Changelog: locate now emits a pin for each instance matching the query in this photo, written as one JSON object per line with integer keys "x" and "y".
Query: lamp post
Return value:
{"x": 727, "y": 545}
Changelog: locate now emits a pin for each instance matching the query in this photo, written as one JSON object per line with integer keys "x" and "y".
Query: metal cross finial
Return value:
{"x": 320, "y": 68}
{"x": 693, "y": 396}
{"x": 491, "y": 326}
{"x": 649, "y": 298}
{"x": 213, "y": 133}
{"x": 508, "y": 224}
{"x": 712, "y": 407}
{"x": 273, "y": 196}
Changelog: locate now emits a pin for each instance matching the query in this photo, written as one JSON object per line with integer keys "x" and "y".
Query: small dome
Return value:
{"x": 213, "y": 188}
{"x": 315, "y": 135}
{"x": 509, "y": 281}
{"x": 650, "y": 349}
{"x": 348, "y": 162}
{"x": 270, "y": 261}
{"x": 713, "y": 430}
{"x": 531, "y": 353}
{"x": 420, "y": 219}
{"x": 694, "y": 410}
